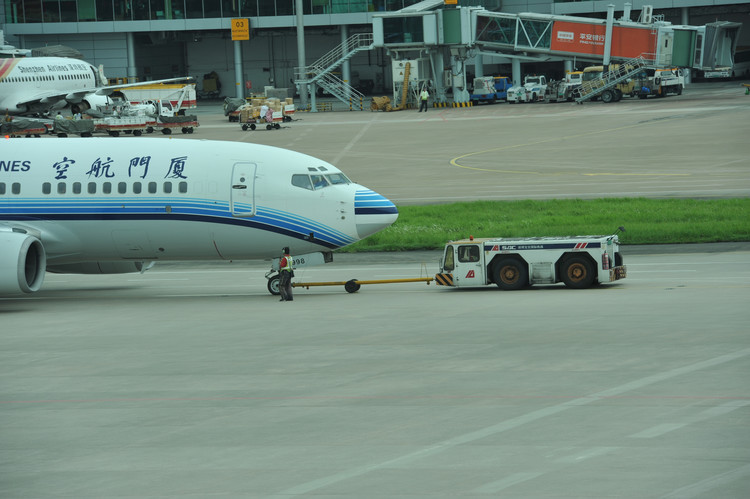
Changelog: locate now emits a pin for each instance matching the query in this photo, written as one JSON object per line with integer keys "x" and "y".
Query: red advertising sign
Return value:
{"x": 588, "y": 39}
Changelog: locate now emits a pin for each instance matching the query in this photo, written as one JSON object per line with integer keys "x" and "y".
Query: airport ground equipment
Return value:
{"x": 564, "y": 90}
{"x": 381, "y": 104}
{"x": 179, "y": 96}
{"x": 313, "y": 259}
{"x": 612, "y": 84}
{"x": 490, "y": 89}
{"x": 533, "y": 89}
{"x": 24, "y": 127}
{"x": 578, "y": 261}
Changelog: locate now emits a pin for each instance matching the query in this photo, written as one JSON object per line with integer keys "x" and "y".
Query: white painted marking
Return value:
{"x": 305, "y": 488}
{"x": 506, "y": 482}
{"x": 709, "y": 413}
{"x": 704, "y": 487}
{"x": 658, "y": 430}
{"x": 356, "y": 138}
{"x": 586, "y": 454}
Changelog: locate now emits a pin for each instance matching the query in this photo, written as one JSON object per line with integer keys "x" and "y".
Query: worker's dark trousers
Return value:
{"x": 285, "y": 285}
{"x": 423, "y": 105}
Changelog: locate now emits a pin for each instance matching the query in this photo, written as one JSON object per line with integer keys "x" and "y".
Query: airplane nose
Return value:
{"x": 372, "y": 212}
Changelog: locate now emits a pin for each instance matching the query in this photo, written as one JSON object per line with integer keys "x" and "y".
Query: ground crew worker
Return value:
{"x": 423, "y": 98}
{"x": 286, "y": 274}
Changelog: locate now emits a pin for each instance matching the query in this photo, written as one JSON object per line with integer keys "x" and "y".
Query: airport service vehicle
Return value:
{"x": 110, "y": 206}
{"x": 490, "y": 89}
{"x": 578, "y": 261}
{"x": 533, "y": 89}
{"x": 180, "y": 97}
{"x": 670, "y": 81}
{"x": 564, "y": 90}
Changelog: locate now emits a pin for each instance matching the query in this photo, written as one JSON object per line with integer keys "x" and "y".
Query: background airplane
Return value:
{"x": 104, "y": 205}
{"x": 37, "y": 85}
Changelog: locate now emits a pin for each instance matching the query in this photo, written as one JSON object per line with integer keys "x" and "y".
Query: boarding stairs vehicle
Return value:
{"x": 605, "y": 86}
{"x": 320, "y": 72}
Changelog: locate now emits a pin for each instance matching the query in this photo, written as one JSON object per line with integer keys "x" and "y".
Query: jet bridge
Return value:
{"x": 459, "y": 34}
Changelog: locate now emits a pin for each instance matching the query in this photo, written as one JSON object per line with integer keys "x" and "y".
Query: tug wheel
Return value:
{"x": 511, "y": 274}
{"x": 577, "y": 273}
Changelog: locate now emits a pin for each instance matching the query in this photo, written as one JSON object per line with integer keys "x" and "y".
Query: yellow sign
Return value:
{"x": 451, "y": 2}
{"x": 240, "y": 29}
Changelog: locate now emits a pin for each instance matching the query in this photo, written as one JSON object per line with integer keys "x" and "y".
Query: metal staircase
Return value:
{"x": 319, "y": 72}
{"x": 610, "y": 79}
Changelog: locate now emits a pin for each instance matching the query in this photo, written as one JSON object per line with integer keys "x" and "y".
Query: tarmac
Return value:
{"x": 191, "y": 380}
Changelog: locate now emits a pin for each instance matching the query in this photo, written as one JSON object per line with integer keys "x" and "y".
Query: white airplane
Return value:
{"x": 35, "y": 85}
{"x": 103, "y": 205}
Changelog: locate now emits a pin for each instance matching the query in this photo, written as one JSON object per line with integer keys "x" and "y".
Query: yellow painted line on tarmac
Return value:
{"x": 455, "y": 161}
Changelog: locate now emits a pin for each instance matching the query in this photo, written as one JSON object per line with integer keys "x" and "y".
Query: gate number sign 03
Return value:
{"x": 240, "y": 29}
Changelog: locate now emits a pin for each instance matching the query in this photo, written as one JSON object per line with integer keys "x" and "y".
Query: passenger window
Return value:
{"x": 46, "y": 188}
{"x": 468, "y": 254}
{"x": 152, "y": 187}
{"x": 122, "y": 188}
{"x": 61, "y": 187}
{"x": 319, "y": 181}
{"x": 92, "y": 188}
{"x": 302, "y": 181}
{"x": 137, "y": 188}
{"x": 107, "y": 188}
{"x": 167, "y": 187}
{"x": 15, "y": 188}
{"x": 2, "y": 188}
{"x": 76, "y": 187}
{"x": 182, "y": 187}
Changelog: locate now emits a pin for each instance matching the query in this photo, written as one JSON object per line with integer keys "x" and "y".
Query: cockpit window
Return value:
{"x": 302, "y": 181}
{"x": 337, "y": 178}
{"x": 319, "y": 181}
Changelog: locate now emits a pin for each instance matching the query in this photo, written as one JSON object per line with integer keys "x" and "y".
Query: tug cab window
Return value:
{"x": 449, "y": 264}
{"x": 468, "y": 253}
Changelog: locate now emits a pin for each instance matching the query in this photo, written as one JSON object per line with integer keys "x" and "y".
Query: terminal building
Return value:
{"x": 358, "y": 41}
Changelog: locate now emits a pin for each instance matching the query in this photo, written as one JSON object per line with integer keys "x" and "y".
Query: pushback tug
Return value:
{"x": 578, "y": 261}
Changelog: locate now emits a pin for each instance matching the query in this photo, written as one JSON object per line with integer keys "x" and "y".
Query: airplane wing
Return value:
{"x": 53, "y": 98}
{"x": 108, "y": 89}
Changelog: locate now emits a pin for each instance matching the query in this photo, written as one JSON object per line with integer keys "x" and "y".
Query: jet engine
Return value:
{"x": 100, "y": 268}
{"x": 22, "y": 263}
{"x": 90, "y": 101}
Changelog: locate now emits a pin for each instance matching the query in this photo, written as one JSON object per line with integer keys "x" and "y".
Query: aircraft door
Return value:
{"x": 242, "y": 202}
{"x": 468, "y": 269}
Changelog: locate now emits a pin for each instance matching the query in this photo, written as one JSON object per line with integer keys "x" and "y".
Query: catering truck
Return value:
{"x": 578, "y": 261}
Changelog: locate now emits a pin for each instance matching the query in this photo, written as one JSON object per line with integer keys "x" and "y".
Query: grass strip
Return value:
{"x": 647, "y": 221}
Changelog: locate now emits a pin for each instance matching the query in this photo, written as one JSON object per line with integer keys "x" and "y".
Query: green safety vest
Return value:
{"x": 288, "y": 265}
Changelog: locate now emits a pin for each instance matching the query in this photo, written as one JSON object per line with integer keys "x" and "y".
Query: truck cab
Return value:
{"x": 533, "y": 89}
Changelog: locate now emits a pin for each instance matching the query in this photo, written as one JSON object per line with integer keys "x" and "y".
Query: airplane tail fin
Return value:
{"x": 102, "y": 79}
